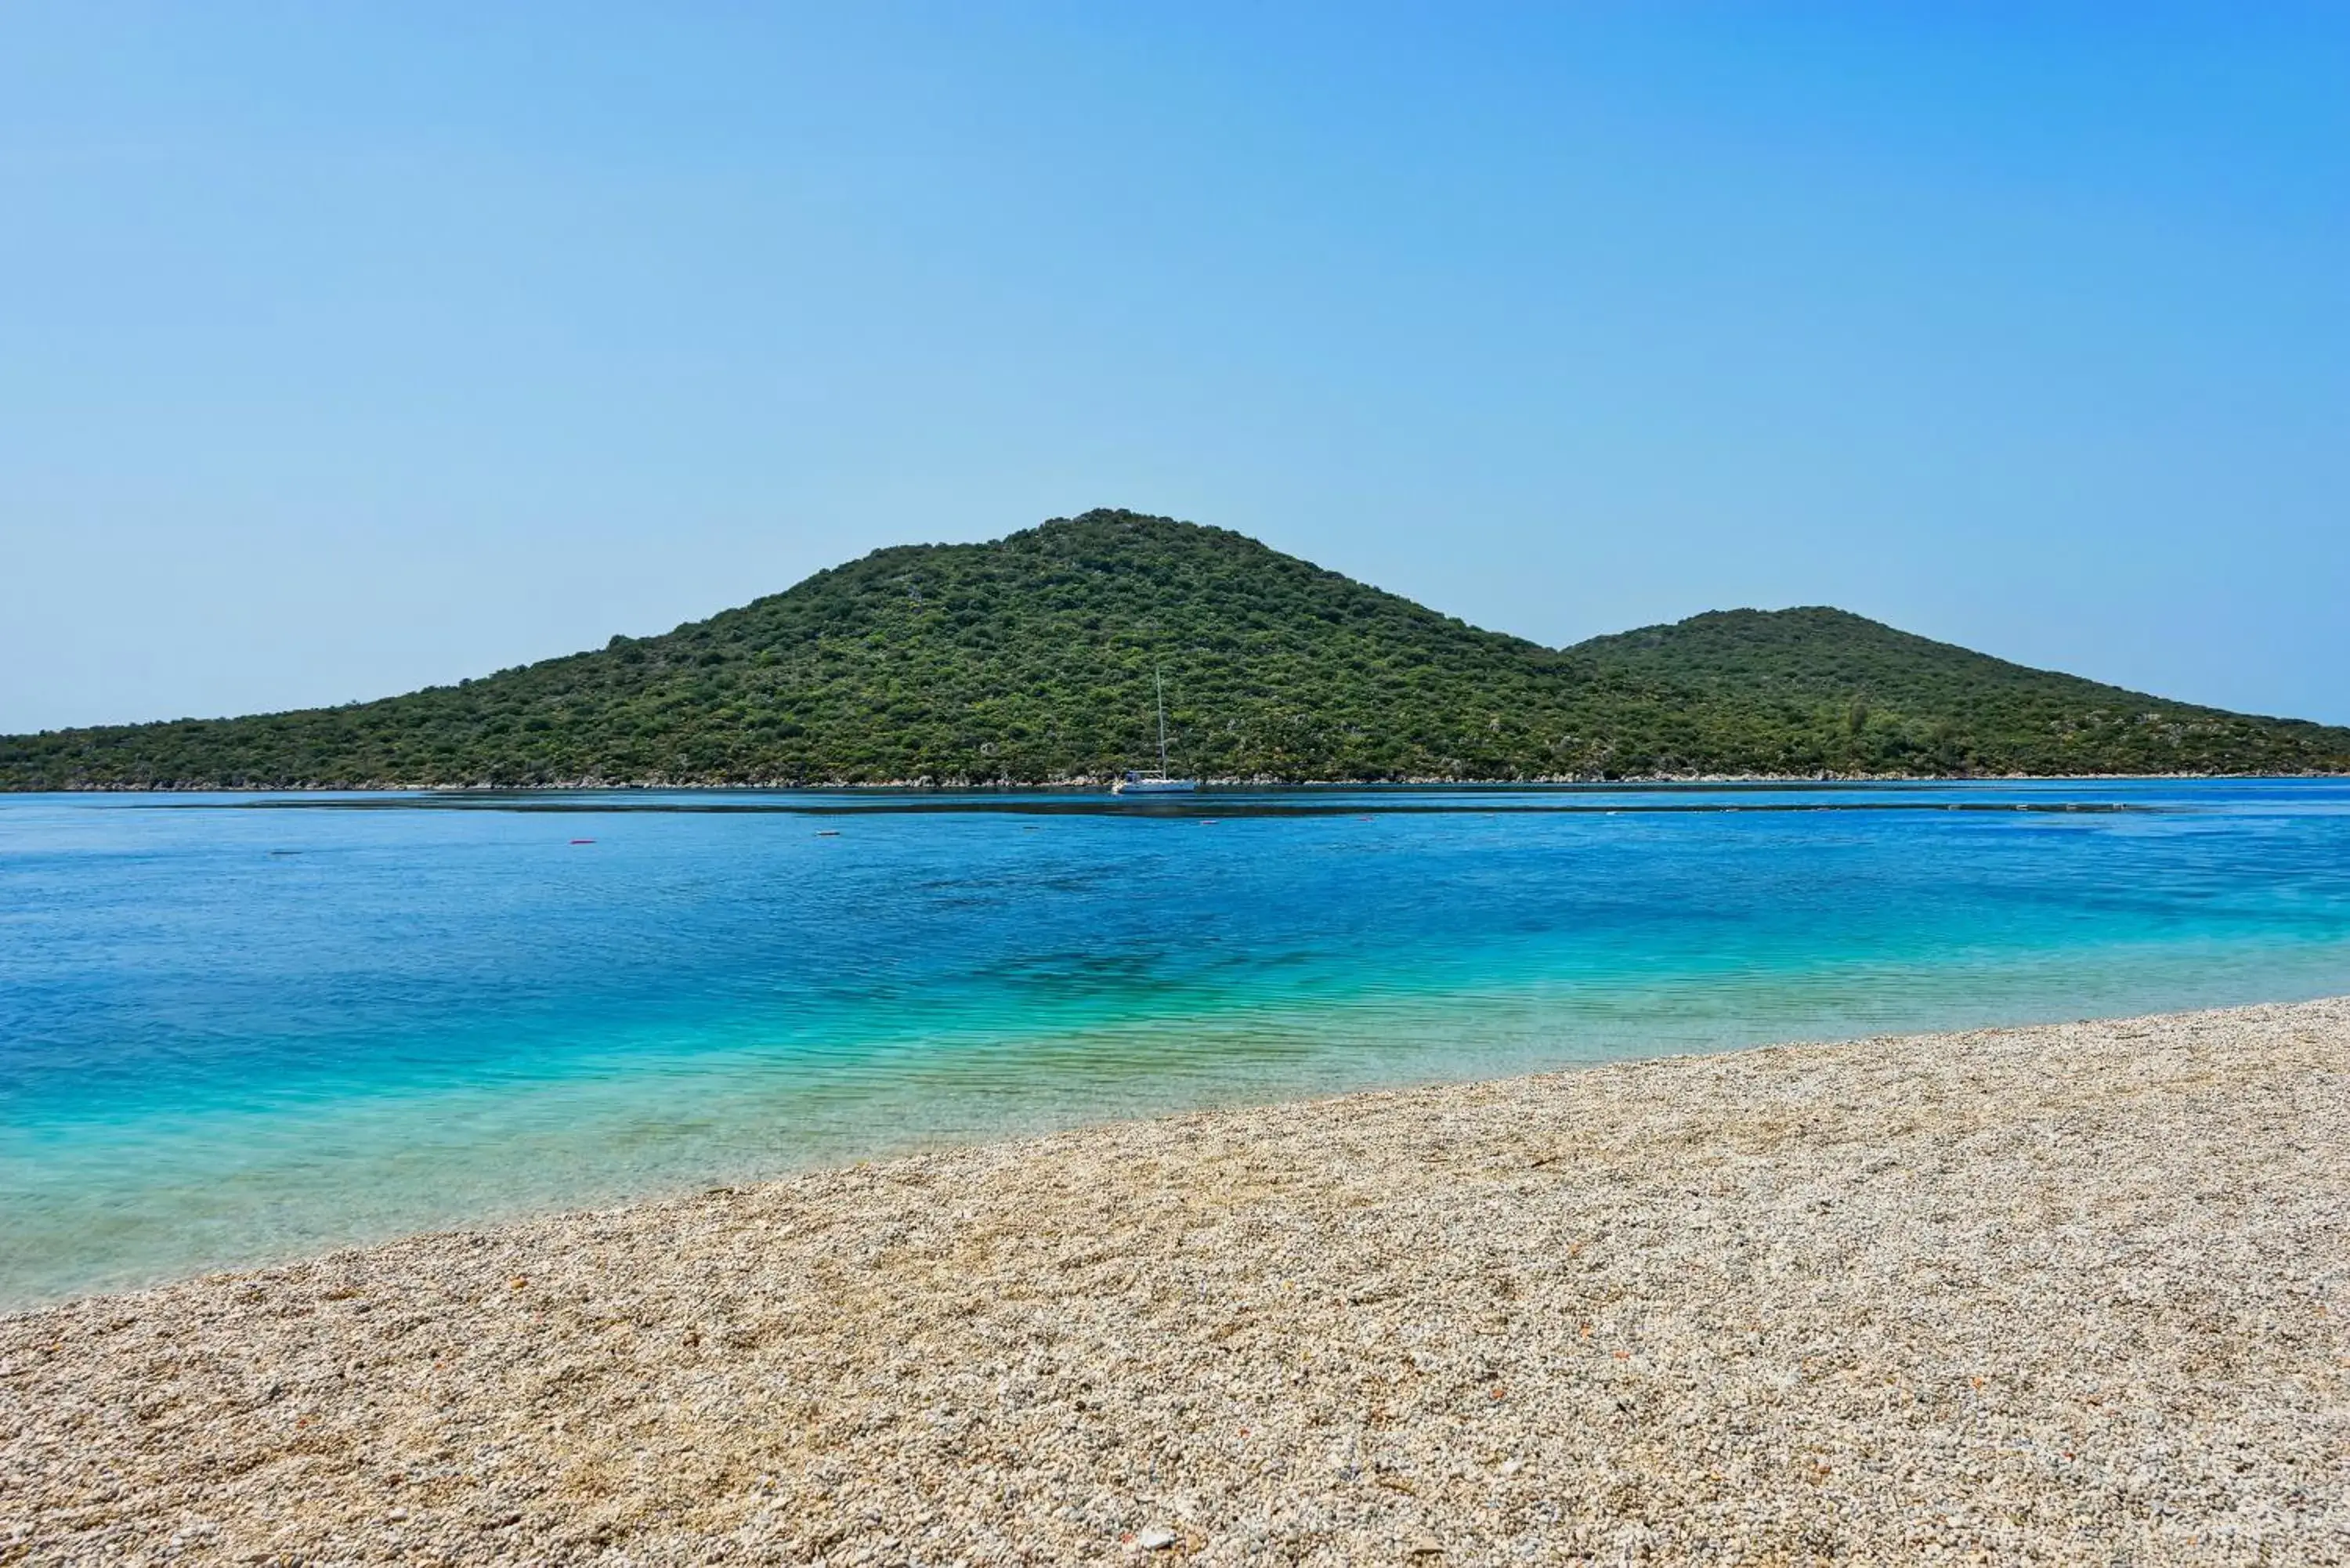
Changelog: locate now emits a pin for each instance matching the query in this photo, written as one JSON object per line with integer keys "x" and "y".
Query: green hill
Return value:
{"x": 1883, "y": 699}
{"x": 1029, "y": 659}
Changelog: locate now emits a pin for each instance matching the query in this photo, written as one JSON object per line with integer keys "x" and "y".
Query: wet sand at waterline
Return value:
{"x": 2077, "y": 1294}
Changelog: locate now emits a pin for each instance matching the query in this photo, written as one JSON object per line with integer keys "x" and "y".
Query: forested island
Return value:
{"x": 1029, "y": 659}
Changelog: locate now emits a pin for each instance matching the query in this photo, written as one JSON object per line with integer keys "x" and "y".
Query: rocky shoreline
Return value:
{"x": 2076, "y": 1293}
{"x": 1090, "y": 782}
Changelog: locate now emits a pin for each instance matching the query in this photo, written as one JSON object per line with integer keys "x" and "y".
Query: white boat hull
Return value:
{"x": 1155, "y": 786}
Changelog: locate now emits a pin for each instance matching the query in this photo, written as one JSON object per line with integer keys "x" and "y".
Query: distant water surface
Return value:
{"x": 237, "y": 1028}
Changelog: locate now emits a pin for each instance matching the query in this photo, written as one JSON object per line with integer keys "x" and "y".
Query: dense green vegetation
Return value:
{"x": 1874, "y": 699}
{"x": 1030, "y": 659}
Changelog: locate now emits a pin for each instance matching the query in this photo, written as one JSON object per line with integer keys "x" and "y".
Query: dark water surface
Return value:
{"x": 233, "y": 1028}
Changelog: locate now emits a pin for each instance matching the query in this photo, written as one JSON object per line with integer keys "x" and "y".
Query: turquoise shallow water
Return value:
{"x": 233, "y": 1028}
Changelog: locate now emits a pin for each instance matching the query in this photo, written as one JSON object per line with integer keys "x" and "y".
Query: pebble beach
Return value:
{"x": 2077, "y": 1294}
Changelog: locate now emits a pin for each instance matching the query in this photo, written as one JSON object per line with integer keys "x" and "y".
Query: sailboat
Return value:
{"x": 1155, "y": 783}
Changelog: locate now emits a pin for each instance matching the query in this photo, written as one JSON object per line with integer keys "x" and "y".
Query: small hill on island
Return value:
{"x": 1888, "y": 701}
{"x": 1029, "y": 659}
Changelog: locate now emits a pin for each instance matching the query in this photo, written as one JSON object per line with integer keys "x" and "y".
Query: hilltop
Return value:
{"x": 1029, "y": 659}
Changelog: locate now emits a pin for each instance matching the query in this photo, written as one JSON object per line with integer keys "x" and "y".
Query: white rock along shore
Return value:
{"x": 2078, "y": 1293}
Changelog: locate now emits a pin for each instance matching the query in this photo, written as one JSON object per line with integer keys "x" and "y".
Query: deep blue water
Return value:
{"x": 233, "y": 1028}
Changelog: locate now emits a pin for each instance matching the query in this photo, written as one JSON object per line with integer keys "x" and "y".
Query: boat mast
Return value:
{"x": 1158, "y": 689}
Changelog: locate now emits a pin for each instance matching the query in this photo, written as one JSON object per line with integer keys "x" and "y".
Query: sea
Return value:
{"x": 241, "y": 1028}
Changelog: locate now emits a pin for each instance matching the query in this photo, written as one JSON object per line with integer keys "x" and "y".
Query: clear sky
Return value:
{"x": 347, "y": 348}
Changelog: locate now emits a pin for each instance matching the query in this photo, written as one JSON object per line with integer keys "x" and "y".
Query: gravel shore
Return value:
{"x": 2078, "y": 1293}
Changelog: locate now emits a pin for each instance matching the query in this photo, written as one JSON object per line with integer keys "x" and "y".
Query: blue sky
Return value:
{"x": 345, "y": 349}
